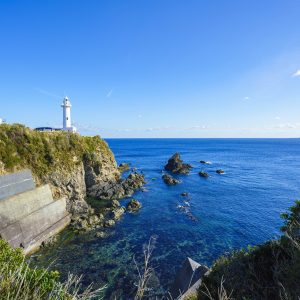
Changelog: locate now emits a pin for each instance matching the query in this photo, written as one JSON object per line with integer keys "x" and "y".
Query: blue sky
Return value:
{"x": 154, "y": 68}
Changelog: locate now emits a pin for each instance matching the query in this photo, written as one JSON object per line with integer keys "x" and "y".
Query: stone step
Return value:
{"x": 16, "y": 183}
{"x": 17, "y": 207}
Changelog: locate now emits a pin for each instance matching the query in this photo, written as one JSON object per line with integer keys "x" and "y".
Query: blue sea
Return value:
{"x": 239, "y": 208}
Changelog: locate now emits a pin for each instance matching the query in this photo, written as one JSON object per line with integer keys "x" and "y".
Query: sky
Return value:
{"x": 137, "y": 68}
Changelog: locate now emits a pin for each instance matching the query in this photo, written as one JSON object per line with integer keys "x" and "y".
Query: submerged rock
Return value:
{"x": 203, "y": 174}
{"x": 100, "y": 234}
{"x": 185, "y": 194}
{"x": 169, "y": 180}
{"x": 220, "y": 171}
{"x": 176, "y": 165}
{"x": 133, "y": 205}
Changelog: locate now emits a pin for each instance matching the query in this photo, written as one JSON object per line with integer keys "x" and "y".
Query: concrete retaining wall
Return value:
{"x": 12, "y": 184}
{"x": 28, "y": 218}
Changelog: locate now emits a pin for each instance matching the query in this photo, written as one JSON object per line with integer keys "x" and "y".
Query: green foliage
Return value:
{"x": 17, "y": 278}
{"x": 267, "y": 271}
{"x": 43, "y": 152}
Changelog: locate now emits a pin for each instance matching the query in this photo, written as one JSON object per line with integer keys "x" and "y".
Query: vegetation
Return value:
{"x": 20, "y": 282}
{"x": 268, "y": 271}
{"x": 43, "y": 152}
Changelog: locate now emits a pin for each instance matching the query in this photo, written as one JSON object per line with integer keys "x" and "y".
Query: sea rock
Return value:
{"x": 114, "y": 203}
{"x": 185, "y": 194}
{"x": 123, "y": 167}
{"x": 133, "y": 205}
{"x": 169, "y": 180}
{"x": 117, "y": 213}
{"x": 205, "y": 162}
{"x": 220, "y": 171}
{"x": 93, "y": 220}
{"x": 176, "y": 165}
{"x": 109, "y": 223}
{"x": 203, "y": 174}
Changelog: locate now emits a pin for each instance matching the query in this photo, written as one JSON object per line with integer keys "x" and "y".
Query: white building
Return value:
{"x": 67, "y": 124}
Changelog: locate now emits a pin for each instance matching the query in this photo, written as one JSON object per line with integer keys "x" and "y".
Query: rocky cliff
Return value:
{"x": 74, "y": 166}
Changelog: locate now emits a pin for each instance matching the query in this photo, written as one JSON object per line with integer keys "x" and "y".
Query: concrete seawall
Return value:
{"x": 29, "y": 215}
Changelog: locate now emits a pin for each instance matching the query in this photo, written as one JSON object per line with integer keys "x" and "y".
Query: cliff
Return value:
{"x": 74, "y": 166}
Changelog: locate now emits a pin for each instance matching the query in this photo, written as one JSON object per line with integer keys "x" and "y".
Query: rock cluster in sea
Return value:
{"x": 176, "y": 165}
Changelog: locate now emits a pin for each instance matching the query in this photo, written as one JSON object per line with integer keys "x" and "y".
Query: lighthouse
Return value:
{"x": 66, "y": 106}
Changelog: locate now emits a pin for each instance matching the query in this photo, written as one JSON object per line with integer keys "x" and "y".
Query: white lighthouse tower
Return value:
{"x": 67, "y": 125}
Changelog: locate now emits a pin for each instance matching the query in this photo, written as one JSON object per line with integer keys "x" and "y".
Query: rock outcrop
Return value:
{"x": 116, "y": 188}
{"x": 169, "y": 180}
{"x": 133, "y": 205}
{"x": 176, "y": 165}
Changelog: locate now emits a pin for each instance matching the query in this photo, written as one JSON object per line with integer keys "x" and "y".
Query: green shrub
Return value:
{"x": 18, "y": 281}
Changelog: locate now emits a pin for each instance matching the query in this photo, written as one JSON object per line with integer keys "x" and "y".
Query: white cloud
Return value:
{"x": 296, "y": 74}
{"x": 199, "y": 127}
{"x": 109, "y": 93}
{"x": 277, "y": 118}
{"x": 246, "y": 98}
{"x": 140, "y": 116}
{"x": 288, "y": 125}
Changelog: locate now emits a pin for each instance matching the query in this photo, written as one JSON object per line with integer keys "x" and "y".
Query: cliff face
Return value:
{"x": 71, "y": 164}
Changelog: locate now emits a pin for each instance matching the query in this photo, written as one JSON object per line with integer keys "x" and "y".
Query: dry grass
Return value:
{"x": 145, "y": 272}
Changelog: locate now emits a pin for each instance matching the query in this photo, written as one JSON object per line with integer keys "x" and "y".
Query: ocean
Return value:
{"x": 222, "y": 213}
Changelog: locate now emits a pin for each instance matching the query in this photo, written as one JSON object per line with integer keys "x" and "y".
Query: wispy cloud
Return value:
{"x": 140, "y": 116}
{"x": 277, "y": 118}
{"x": 296, "y": 74}
{"x": 42, "y": 91}
{"x": 108, "y": 95}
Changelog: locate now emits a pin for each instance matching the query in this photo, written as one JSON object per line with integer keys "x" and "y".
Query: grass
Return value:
{"x": 18, "y": 281}
{"x": 44, "y": 152}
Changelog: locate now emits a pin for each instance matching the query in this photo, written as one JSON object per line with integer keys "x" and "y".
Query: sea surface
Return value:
{"x": 222, "y": 213}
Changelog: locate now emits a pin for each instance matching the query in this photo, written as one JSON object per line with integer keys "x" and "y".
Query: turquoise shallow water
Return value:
{"x": 233, "y": 210}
